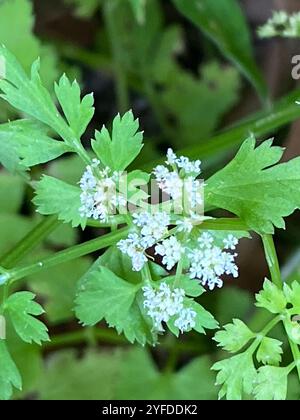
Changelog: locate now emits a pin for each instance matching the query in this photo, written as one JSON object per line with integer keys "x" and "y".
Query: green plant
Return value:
{"x": 126, "y": 286}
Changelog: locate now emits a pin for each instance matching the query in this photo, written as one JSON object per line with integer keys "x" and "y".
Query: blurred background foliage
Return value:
{"x": 198, "y": 79}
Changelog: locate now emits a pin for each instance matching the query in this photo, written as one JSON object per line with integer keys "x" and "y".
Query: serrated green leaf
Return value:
{"x": 269, "y": 351}
{"x": 237, "y": 375}
{"x": 271, "y": 383}
{"x": 54, "y": 196}
{"x": 250, "y": 187}
{"x": 78, "y": 112}
{"x": 234, "y": 336}
{"x": 10, "y": 159}
{"x": 271, "y": 298}
{"x": 30, "y": 144}
{"x": 121, "y": 265}
{"x": 104, "y": 295}
{"x": 9, "y": 374}
{"x": 191, "y": 287}
{"x": 222, "y": 20}
{"x": 28, "y": 359}
{"x": 293, "y": 330}
{"x": 292, "y": 294}
{"x": 118, "y": 150}
{"x": 137, "y": 328}
{"x": 204, "y": 319}
{"x": 20, "y": 307}
{"x": 29, "y": 95}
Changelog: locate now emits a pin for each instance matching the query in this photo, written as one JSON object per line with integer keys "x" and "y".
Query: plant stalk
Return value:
{"x": 63, "y": 256}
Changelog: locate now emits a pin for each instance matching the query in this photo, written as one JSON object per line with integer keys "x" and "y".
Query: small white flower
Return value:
{"x": 164, "y": 303}
{"x": 281, "y": 24}
{"x": 210, "y": 262}
{"x": 133, "y": 248}
{"x": 171, "y": 250}
{"x": 180, "y": 181}
{"x": 130, "y": 245}
{"x": 139, "y": 259}
{"x": 99, "y": 197}
{"x": 184, "y": 225}
{"x": 193, "y": 190}
{"x": 230, "y": 242}
{"x": 152, "y": 228}
{"x": 279, "y": 17}
{"x": 172, "y": 185}
{"x": 161, "y": 173}
{"x": 205, "y": 240}
{"x": 189, "y": 167}
{"x": 186, "y": 320}
{"x": 171, "y": 157}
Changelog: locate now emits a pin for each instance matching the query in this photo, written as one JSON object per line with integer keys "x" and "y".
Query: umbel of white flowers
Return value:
{"x": 205, "y": 261}
{"x": 281, "y": 23}
{"x": 178, "y": 178}
{"x": 162, "y": 304}
{"x": 99, "y": 197}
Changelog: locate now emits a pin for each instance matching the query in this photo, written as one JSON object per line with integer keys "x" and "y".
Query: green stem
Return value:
{"x": 272, "y": 260}
{"x": 79, "y": 336}
{"x": 274, "y": 268}
{"x": 63, "y": 256}
{"x": 146, "y": 274}
{"x": 94, "y": 245}
{"x": 119, "y": 219}
{"x": 30, "y": 241}
{"x": 179, "y": 271}
{"x": 27, "y": 244}
{"x": 110, "y": 336}
{"x": 270, "y": 325}
{"x": 82, "y": 153}
{"x": 109, "y": 10}
{"x": 295, "y": 351}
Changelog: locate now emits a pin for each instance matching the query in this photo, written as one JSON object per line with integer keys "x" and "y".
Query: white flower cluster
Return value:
{"x": 209, "y": 262}
{"x": 163, "y": 304}
{"x": 99, "y": 197}
{"x": 179, "y": 179}
{"x": 281, "y": 23}
{"x": 152, "y": 228}
{"x": 171, "y": 250}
